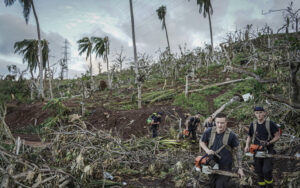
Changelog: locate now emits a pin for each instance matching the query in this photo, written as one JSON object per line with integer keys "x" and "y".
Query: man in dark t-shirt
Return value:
{"x": 209, "y": 123}
{"x": 156, "y": 120}
{"x": 227, "y": 156}
{"x": 192, "y": 124}
{"x": 266, "y": 134}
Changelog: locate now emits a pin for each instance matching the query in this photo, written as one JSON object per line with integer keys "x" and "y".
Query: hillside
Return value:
{"x": 84, "y": 133}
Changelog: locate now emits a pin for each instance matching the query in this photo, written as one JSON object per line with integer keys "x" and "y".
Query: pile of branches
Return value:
{"x": 86, "y": 158}
{"x": 79, "y": 157}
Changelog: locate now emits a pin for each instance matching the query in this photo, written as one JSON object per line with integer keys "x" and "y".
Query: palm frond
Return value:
{"x": 26, "y": 5}
{"x": 9, "y": 2}
{"x": 161, "y": 12}
{"x": 85, "y": 46}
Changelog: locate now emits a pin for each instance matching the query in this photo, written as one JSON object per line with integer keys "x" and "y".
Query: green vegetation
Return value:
{"x": 210, "y": 91}
{"x": 194, "y": 103}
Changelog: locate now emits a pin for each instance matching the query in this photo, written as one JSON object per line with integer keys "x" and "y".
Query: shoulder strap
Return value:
{"x": 254, "y": 131}
{"x": 268, "y": 129}
{"x": 226, "y": 136}
{"x": 212, "y": 137}
{"x": 226, "y": 139}
{"x": 225, "y": 142}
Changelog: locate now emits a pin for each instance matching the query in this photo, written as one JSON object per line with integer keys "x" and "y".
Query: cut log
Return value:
{"x": 232, "y": 100}
{"x": 220, "y": 84}
{"x": 250, "y": 74}
{"x": 279, "y": 99}
{"x": 5, "y": 178}
{"x": 4, "y": 129}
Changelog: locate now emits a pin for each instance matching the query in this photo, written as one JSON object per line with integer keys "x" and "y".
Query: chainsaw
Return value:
{"x": 259, "y": 151}
{"x": 207, "y": 165}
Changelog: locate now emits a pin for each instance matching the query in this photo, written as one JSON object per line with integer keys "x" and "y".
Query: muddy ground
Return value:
{"x": 121, "y": 123}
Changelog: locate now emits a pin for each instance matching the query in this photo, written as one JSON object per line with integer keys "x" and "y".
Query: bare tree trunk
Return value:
{"x": 31, "y": 89}
{"x": 91, "y": 73}
{"x": 99, "y": 68}
{"x": 297, "y": 20}
{"x": 193, "y": 73}
{"x": 207, "y": 62}
{"x": 169, "y": 49}
{"x": 50, "y": 74}
{"x": 186, "y": 85}
{"x": 165, "y": 84}
{"x": 295, "y": 87}
{"x": 4, "y": 129}
{"x": 269, "y": 41}
{"x": 5, "y": 178}
{"x": 211, "y": 35}
{"x": 41, "y": 63}
{"x": 139, "y": 85}
{"x": 108, "y": 72}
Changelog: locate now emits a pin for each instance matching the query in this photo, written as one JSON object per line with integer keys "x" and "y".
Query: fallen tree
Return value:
{"x": 219, "y": 84}
{"x": 258, "y": 78}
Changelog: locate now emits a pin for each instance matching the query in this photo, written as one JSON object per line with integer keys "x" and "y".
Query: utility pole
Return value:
{"x": 64, "y": 61}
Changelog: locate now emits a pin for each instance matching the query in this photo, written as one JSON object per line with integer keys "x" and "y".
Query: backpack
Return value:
{"x": 213, "y": 134}
{"x": 149, "y": 119}
{"x": 267, "y": 127}
{"x": 192, "y": 121}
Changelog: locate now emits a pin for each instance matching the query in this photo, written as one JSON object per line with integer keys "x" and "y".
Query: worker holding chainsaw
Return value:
{"x": 222, "y": 147}
{"x": 191, "y": 126}
{"x": 263, "y": 133}
{"x": 209, "y": 123}
{"x": 155, "y": 122}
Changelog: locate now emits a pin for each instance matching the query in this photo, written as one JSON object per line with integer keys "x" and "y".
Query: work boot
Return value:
{"x": 261, "y": 185}
{"x": 269, "y": 184}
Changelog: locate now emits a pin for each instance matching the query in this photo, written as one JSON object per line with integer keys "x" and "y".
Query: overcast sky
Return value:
{"x": 75, "y": 19}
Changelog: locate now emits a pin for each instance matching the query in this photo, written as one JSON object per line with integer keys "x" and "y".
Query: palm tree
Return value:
{"x": 101, "y": 49}
{"x": 161, "y": 12}
{"x": 139, "y": 85}
{"x": 29, "y": 49}
{"x": 206, "y": 7}
{"x": 27, "y": 5}
{"x": 85, "y": 46}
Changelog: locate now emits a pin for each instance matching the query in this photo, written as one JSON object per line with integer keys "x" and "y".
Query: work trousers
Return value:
{"x": 263, "y": 168}
{"x": 219, "y": 181}
{"x": 193, "y": 131}
{"x": 154, "y": 130}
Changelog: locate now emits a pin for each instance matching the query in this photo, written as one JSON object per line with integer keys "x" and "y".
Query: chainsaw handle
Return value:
{"x": 202, "y": 158}
{"x": 217, "y": 155}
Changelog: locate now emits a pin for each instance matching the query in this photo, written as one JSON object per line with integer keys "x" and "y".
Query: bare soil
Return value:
{"x": 122, "y": 123}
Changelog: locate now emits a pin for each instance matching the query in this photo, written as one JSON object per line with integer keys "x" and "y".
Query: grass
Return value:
{"x": 194, "y": 103}
{"x": 210, "y": 91}
{"x": 248, "y": 86}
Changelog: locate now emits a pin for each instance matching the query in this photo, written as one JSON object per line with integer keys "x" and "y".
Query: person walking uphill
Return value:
{"x": 155, "y": 122}
{"x": 191, "y": 126}
{"x": 263, "y": 133}
{"x": 209, "y": 123}
{"x": 223, "y": 142}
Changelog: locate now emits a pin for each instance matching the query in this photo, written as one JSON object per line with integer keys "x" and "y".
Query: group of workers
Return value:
{"x": 218, "y": 140}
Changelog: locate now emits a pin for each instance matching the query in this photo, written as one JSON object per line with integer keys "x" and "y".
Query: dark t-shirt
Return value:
{"x": 207, "y": 124}
{"x": 226, "y": 156}
{"x": 193, "y": 122}
{"x": 156, "y": 121}
{"x": 261, "y": 131}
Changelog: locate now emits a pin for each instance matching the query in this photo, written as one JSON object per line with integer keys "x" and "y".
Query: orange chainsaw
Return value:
{"x": 260, "y": 152}
{"x": 207, "y": 165}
